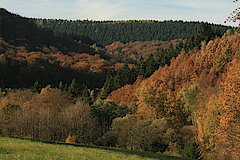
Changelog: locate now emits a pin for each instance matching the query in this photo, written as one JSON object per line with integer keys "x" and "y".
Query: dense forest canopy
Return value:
{"x": 107, "y": 32}
{"x": 54, "y": 58}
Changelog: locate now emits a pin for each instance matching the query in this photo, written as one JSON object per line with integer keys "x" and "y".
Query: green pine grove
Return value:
{"x": 107, "y": 32}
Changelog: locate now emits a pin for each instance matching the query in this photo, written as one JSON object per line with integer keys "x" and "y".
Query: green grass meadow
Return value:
{"x": 22, "y": 149}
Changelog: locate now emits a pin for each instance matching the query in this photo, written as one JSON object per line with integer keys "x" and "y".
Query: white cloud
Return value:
{"x": 199, "y": 4}
{"x": 214, "y": 11}
{"x": 72, "y": 9}
{"x": 97, "y": 9}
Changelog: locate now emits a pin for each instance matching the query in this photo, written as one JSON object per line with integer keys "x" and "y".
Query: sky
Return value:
{"x": 212, "y": 11}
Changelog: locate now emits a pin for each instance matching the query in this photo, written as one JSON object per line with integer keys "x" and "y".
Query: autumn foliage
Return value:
{"x": 179, "y": 97}
{"x": 50, "y": 115}
{"x": 126, "y": 94}
{"x": 215, "y": 70}
{"x": 137, "y": 49}
{"x": 228, "y": 132}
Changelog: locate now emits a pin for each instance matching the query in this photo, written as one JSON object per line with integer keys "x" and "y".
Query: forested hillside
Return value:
{"x": 21, "y": 31}
{"x": 107, "y": 32}
{"x": 31, "y": 54}
{"x": 199, "y": 90}
{"x": 178, "y": 97}
{"x": 133, "y": 51}
{"x": 184, "y": 109}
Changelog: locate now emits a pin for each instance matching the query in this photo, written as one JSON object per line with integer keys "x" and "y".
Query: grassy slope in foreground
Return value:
{"x": 14, "y": 148}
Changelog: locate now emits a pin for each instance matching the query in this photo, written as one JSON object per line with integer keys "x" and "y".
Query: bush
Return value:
{"x": 106, "y": 111}
{"x": 191, "y": 150}
{"x": 135, "y": 133}
{"x": 7, "y": 114}
{"x": 71, "y": 139}
{"x": 79, "y": 121}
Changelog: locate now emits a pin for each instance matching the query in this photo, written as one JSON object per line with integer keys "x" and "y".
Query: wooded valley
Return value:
{"x": 171, "y": 87}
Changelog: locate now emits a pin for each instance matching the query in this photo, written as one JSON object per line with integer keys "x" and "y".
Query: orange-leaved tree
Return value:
{"x": 229, "y": 128}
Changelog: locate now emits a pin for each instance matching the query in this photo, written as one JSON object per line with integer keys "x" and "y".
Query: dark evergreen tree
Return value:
{"x": 61, "y": 86}
{"x": 126, "y": 75}
{"x": 36, "y": 87}
{"x": 140, "y": 69}
{"x": 118, "y": 79}
{"x": 108, "y": 86}
{"x": 74, "y": 88}
{"x": 107, "y": 32}
{"x": 151, "y": 66}
{"x": 205, "y": 33}
{"x": 65, "y": 88}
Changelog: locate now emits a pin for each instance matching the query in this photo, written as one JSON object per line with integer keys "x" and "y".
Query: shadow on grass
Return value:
{"x": 127, "y": 152}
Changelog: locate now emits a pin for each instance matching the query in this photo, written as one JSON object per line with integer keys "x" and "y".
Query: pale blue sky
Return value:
{"x": 213, "y": 11}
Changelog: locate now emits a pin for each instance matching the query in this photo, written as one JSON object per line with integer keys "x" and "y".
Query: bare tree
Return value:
{"x": 235, "y": 15}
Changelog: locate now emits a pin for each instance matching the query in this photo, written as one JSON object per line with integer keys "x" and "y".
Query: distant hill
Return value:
{"x": 107, "y": 32}
{"x": 21, "y": 31}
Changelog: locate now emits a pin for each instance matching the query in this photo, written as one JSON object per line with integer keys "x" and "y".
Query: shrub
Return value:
{"x": 191, "y": 150}
{"x": 106, "y": 111}
{"x": 79, "y": 121}
{"x": 71, "y": 139}
{"x": 135, "y": 133}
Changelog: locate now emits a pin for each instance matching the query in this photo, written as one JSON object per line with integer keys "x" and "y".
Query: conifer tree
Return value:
{"x": 151, "y": 66}
{"x": 60, "y": 86}
{"x": 74, "y": 88}
{"x": 36, "y": 87}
